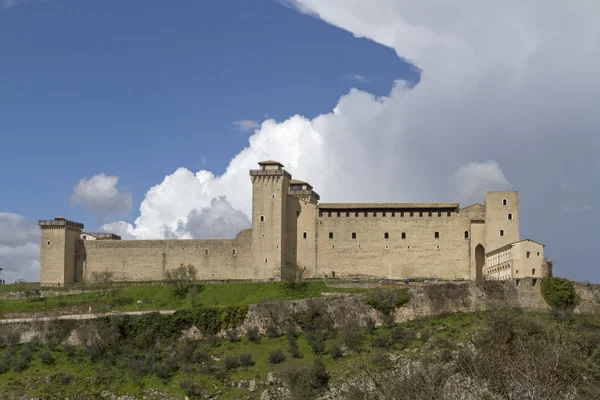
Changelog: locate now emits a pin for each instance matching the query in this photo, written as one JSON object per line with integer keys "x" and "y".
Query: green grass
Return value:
{"x": 163, "y": 297}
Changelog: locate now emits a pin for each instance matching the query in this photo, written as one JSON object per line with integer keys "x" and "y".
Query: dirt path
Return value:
{"x": 81, "y": 316}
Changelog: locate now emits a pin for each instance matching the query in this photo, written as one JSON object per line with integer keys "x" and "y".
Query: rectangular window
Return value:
{"x": 347, "y": 213}
{"x": 538, "y": 253}
{"x": 439, "y": 213}
{"x": 533, "y": 271}
{"x": 353, "y": 235}
{"x": 366, "y": 214}
{"x": 411, "y": 213}
{"x": 262, "y": 218}
{"x": 356, "y": 213}
{"x": 403, "y": 235}
{"x": 297, "y": 213}
{"x": 437, "y": 235}
{"x": 449, "y": 213}
{"x": 430, "y": 214}
{"x": 304, "y": 235}
{"x": 420, "y": 213}
{"x": 386, "y": 235}
{"x": 501, "y": 232}
{"x": 528, "y": 254}
{"x": 330, "y": 235}
{"x": 338, "y": 214}
{"x": 329, "y": 214}
{"x": 402, "y": 213}
{"x": 383, "y": 214}
{"x": 466, "y": 234}
{"x": 393, "y": 214}
{"x": 374, "y": 213}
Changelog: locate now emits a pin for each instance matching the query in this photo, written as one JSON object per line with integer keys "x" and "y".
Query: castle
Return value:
{"x": 292, "y": 231}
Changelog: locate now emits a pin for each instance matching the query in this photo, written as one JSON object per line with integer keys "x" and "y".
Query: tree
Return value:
{"x": 102, "y": 281}
{"x": 294, "y": 273}
{"x": 182, "y": 278}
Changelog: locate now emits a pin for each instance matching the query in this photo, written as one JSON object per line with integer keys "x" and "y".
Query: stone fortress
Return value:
{"x": 292, "y": 231}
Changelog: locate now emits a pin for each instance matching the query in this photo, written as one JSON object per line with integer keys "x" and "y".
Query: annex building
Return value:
{"x": 291, "y": 231}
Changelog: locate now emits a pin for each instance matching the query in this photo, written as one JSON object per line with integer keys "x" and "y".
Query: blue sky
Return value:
{"x": 149, "y": 92}
{"x": 137, "y": 91}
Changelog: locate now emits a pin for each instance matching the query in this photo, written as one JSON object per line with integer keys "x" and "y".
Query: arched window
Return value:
{"x": 509, "y": 216}
{"x": 504, "y": 202}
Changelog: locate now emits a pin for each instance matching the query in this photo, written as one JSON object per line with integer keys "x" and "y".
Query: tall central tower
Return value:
{"x": 269, "y": 198}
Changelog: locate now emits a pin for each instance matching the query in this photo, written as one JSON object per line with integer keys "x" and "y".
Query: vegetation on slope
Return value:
{"x": 166, "y": 297}
{"x": 558, "y": 292}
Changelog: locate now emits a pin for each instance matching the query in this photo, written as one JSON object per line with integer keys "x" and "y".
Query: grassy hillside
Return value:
{"x": 163, "y": 297}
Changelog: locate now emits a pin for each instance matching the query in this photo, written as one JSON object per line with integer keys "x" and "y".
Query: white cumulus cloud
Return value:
{"x": 100, "y": 196}
{"x": 19, "y": 248}
{"x": 511, "y": 81}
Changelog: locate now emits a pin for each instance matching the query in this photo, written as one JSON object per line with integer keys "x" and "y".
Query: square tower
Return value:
{"x": 502, "y": 219}
{"x": 270, "y": 185}
{"x": 58, "y": 251}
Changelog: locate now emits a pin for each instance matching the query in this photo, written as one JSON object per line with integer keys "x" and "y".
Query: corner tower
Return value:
{"x": 58, "y": 251}
{"x": 502, "y": 219}
{"x": 270, "y": 185}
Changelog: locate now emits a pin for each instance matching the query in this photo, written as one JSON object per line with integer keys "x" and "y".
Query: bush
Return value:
{"x": 252, "y": 334}
{"x": 387, "y": 300}
{"x": 397, "y": 334}
{"x": 335, "y": 351}
{"x": 370, "y": 324}
{"x": 231, "y": 362}
{"x": 316, "y": 341}
{"x": 271, "y": 331}
{"x": 246, "y": 360}
{"x": 232, "y": 335}
{"x": 293, "y": 347}
{"x": 46, "y": 357}
{"x": 558, "y": 292}
{"x": 193, "y": 389}
{"x": 382, "y": 341}
{"x": 3, "y": 366}
{"x": 305, "y": 381}
{"x": 20, "y": 362}
{"x": 276, "y": 357}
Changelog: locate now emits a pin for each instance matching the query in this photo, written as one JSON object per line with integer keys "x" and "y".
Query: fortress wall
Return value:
{"x": 149, "y": 259}
{"x": 419, "y": 255}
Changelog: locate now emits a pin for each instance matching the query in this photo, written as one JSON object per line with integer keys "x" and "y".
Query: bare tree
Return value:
{"x": 182, "y": 278}
{"x": 102, "y": 281}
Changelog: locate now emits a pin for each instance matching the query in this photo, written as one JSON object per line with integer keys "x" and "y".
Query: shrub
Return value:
{"x": 246, "y": 360}
{"x": 182, "y": 278}
{"x": 231, "y": 362}
{"x": 387, "y": 300}
{"x": 46, "y": 357}
{"x": 232, "y": 335}
{"x": 193, "y": 389}
{"x": 370, "y": 324}
{"x": 20, "y": 362}
{"x": 252, "y": 334}
{"x": 558, "y": 292}
{"x": 276, "y": 357}
{"x": 335, "y": 351}
{"x": 272, "y": 331}
{"x": 3, "y": 366}
{"x": 397, "y": 334}
{"x": 293, "y": 347}
{"x": 212, "y": 340}
{"x": 316, "y": 341}
{"x": 382, "y": 341}
{"x": 306, "y": 381}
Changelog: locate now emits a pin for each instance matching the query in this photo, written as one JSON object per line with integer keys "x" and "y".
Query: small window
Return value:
{"x": 403, "y": 235}
{"x": 329, "y": 214}
{"x": 420, "y": 213}
{"x": 262, "y": 218}
{"x": 430, "y": 213}
{"x": 517, "y": 271}
{"x": 466, "y": 234}
{"x": 374, "y": 213}
{"x": 393, "y": 214}
{"x": 402, "y": 213}
{"x": 304, "y": 235}
{"x": 383, "y": 214}
{"x": 504, "y": 202}
{"x": 234, "y": 252}
{"x": 48, "y": 243}
{"x": 501, "y": 232}
{"x": 366, "y": 214}
{"x": 353, "y": 235}
{"x": 449, "y": 213}
{"x": 411, "y": 213}
{"x": 205, "y": 252}
{"x": 84, "y": 237}
{"x": 533, "y": 271}
{"x": 437, "y": 235}
{"x": 297, "y": 213}
{"x": 273, "y": 196}
{"x": 356, "y": 213}
{"x": 338, "y": 214}
{"x": 347, "y": 213}
{"x": 509, "y": 216}
{"x": 387, "y": 247}
{"x": 528, "y": 254}
{"x": 330, "y": 235}
{"x": 265, "y": 260}
{"x": 386, "y": 235}
{"x": 538, "y": 253}
{"x": 439, "y": 213}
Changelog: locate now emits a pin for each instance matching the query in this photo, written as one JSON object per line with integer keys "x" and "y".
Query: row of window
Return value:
{"x": 382, "y": 213}
{"x": 386, "y": 235}
{"x": 233, "y": 252}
